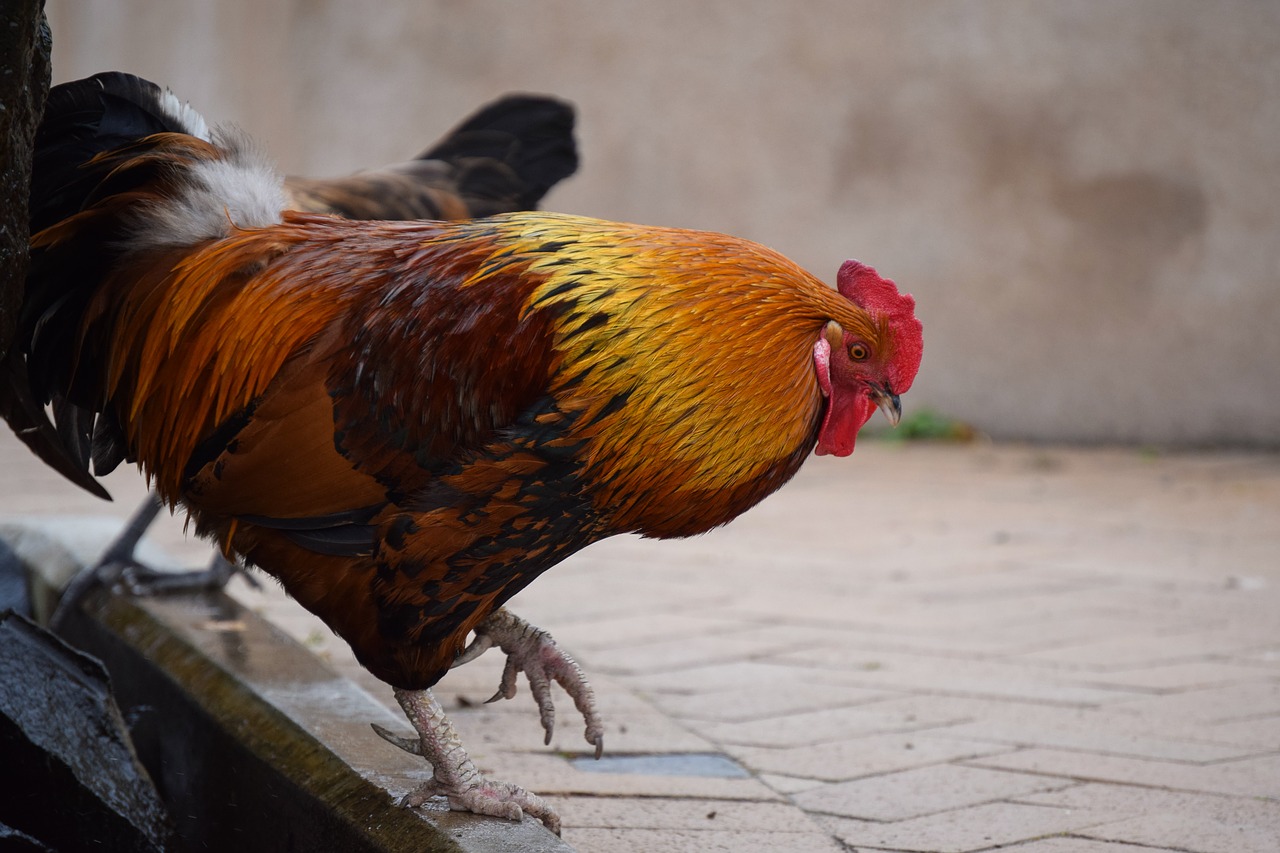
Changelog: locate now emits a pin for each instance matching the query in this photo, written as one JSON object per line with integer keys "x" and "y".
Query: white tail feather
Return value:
{"x": 241, "y": 189}
{"x": 191, "y": 122}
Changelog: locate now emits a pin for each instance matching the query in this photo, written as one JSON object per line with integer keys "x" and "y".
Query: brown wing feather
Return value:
{"x": 435, "y": 365}
{"x": 281, "y": 462}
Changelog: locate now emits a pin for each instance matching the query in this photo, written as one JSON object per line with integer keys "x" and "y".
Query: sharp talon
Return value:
{"x": 501, "y": 694}
{"x": 419, "y": 796}
{"x": 548, "y": 717}
{"x": 453, "y": 774}
{"x": 535, "y": 653}
{"x": 408, "y": 744}
{"x": 481, "y": 644}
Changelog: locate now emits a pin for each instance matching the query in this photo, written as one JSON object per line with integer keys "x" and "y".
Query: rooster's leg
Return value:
{"x": 533, "y": 651}
{"x": 454, "y": 774}
{"x": 120, "y": 568}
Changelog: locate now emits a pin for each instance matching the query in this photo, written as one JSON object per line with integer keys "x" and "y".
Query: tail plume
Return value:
{"x": 115, "y": 136}
{"x": 503, "y": 158}
{"x": 87, "y": 117}
{"x": 121, "y": 169}
{"x": 531, "y": 135}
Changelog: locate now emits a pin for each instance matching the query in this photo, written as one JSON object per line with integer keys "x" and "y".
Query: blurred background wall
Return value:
{"x": 1083, "y": 196}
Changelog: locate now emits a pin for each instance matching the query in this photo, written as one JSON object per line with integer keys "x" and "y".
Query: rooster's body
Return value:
{"x": 407, "y": 422}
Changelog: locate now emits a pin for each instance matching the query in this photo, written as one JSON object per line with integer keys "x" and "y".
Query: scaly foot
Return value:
{"x": 454, "y": 775}
{"x": 533, "y": 651}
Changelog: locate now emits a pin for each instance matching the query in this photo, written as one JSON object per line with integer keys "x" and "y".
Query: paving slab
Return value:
{"x": 1007, "y": 678}
{"x": 1249, "y": 777}
{"x": 1097, "y": 734}
{"x": 923, "y": 647}
{"x": 750, "y": 705}
{"x": 922, "y": 791}
{"x": 682, "y": 814}
{"x": 1205, "y": 835}
{"x": 1078, "y": 844}
{"x": 980, "y": 827}
{"x": 1158, "y": 818}
{"x": 808, "y": 728}
{"x": 865, "y": 756}
{"x": 1258, "y": 698}
{"x": 699, "y": 841}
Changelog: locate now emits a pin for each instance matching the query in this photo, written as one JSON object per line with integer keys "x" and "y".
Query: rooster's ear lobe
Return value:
{"x": 822, "y": 360}
{"x": 833, "y": 332}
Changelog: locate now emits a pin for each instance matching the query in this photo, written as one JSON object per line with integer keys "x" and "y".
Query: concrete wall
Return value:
{"x": 1084, "y": 196}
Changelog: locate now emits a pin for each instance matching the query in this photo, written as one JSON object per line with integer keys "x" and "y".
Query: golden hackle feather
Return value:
{"x": 718, "y": 381}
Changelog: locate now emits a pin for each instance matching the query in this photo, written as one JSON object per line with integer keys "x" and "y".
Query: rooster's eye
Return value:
{"x": 859, "y": 352}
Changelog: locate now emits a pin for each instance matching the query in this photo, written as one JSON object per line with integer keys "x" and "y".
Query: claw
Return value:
{"x": 408, "y": 744}
{"x": 454, "y": 775}
{"x": 481, "y": 644}
{"x": 507, "y": 686}
{"x": 533, "y": 651}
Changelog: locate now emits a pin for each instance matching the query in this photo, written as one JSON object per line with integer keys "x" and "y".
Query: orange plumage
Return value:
{"x": 406, "y": 423}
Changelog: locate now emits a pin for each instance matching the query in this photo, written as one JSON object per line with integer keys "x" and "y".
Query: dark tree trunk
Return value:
{"x": 24, "y": 83}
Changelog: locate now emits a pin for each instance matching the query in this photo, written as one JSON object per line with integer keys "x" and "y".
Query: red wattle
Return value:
{"x": 844, "y": 417}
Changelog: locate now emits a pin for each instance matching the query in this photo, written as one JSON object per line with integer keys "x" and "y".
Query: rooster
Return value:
{"x": 406, "y": 423}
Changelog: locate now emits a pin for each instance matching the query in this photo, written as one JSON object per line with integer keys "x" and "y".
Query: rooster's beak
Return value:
{"x": 888, "y": 403}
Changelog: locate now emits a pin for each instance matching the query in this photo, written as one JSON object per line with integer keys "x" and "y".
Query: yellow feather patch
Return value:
{"x": 713, "y": 357}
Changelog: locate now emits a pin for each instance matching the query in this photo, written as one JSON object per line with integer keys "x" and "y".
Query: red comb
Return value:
{"x": 864, "y": 287}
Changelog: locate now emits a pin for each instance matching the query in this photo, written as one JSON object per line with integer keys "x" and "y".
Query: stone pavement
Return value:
{"x": 921, "y": 648}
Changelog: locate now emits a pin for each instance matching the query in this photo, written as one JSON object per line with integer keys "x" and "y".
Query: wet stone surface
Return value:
{"x": 66, "y": 750}
{"x": 671, "y": 764}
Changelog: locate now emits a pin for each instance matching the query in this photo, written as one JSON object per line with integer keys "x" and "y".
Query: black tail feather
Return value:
{"x": 531, "y": 134}
{"x": 503, "y": 158}
{"x": 30, "y": 423}
{"x": 83, "y": 118}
